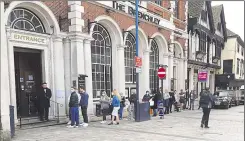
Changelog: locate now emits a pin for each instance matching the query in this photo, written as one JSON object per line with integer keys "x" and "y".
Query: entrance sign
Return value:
{"x": 161, "y": 73}
{"x": 202, "y": 76}
{"x": 131, "y": 11}
{"x": 29, "y": 38}
{"x": 138, "y": 61}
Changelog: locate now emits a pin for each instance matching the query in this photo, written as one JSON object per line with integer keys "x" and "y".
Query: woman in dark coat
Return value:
{"x": 171, "y": 101}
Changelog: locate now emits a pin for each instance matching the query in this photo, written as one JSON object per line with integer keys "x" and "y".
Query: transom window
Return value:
{"x": 101, "y": 60}
{"x": 154, "y": 62}
{"x": 24, "y": 19}
{"x": 129, "y": 55}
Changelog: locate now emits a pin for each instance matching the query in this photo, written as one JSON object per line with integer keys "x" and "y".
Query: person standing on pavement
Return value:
{"x": 182, "y": 99}
{"x": 166, "y": 97}
{"x": 44, "y": 96}
{"x": 116, "y": 106}
{"x": 122, "y": 105}
{"x": 146, "y": 97}
{"x": 74, "y": 110}
{"x": 84, "y": 105}
{"x": 192, "y": 99}
{"x": 171, "y": 101}
{"x": 105, "y": 106}
{"x": 206, "y": 101}
{"x": 79, "y": 97}
{"x": 132, "y": 100}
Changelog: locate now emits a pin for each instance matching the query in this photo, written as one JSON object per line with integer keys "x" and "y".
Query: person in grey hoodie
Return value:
{"x": 104, "y": 102}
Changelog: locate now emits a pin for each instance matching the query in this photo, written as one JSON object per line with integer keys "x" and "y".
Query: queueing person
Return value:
{"x": 182, "y": 99}
{"x": 155, "y": 99}
{"x": 84, "y": 105}
{"x": 206, "y": 102}
{"x": 105, "y": 106}
{"x": 122, "y": 105}
{"x": 171, "y": 101}
{"x": 116, "y": 106}
{"x": 132, "y": 101}
{"x": 79, "y": 97}
{"x": 44, "y": 96}
{"x": 146, "y": 97}
{"x": 166, "y": 97}
{"x": 74, "y": 110}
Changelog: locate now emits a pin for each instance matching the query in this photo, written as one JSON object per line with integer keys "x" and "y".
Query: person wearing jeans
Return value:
{"x": 84, "y": 105}
{"x": 105, "y": 105}
{"x": 73, "y": 104}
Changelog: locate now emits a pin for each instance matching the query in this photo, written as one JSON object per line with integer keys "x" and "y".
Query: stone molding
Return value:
{"x": 121, "y": 47}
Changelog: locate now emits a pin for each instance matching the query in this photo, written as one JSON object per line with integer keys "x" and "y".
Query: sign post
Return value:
{"x": 161, "y": 75}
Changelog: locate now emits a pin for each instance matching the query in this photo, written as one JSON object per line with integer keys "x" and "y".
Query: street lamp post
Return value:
{"x": 137, "y": 114}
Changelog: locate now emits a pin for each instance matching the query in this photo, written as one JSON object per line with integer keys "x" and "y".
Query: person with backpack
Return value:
{"x": 206, "y": 102}
{"x": 105, "y": 105}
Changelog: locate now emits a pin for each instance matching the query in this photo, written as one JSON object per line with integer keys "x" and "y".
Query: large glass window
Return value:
{"x": 129, "y": 55}
{"x": 101, "y": 60}
{"x": 154, "y": 62}
{"x": 24, "y": 19}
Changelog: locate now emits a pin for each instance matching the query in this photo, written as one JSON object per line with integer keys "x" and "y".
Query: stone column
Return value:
{"x": 121, "y": 68}
{"x": 146, "y": 73}
{"x": 67, "y": 70}
{"x": 75, "y": 15}
{"x": 59, "y": 79}
{"x": 4, "y": 79}
{"x": 166, "y": 82}
{"x": 191, "y": 82}
{"x": 208, "y": 79}
{"x": 88, "y": 72}
{"x": 170, "y": 60}
{"x": 77, "y": 58}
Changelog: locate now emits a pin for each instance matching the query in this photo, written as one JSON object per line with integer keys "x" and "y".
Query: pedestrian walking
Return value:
{"x": 44, "y": 96}
{"x": 84, "y": 105}
{"x": 166, "y": 97}
{"x": 122, "y": 105}
{"x": 116, "y": 106}
{"x": 206, "y": 101}
{"x": 74, "y": 110}
{"x": 105, "y": 106}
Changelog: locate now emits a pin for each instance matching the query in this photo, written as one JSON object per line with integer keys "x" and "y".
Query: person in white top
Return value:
{"x": 79, "y": 97}
{"x": 166, "y": 97}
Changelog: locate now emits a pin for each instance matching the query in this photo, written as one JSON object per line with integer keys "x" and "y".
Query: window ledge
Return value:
{"x": 168, "y": 11}
{"x": 180, "y": 20}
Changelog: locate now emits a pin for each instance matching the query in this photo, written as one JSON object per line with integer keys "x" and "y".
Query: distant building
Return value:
{"x": 231, "y": 73}
{"x": 207, "y": 36}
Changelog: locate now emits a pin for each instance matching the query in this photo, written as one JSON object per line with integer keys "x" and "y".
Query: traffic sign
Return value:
{"x": 161, "y": 73}
{"x": 138, "y": 61}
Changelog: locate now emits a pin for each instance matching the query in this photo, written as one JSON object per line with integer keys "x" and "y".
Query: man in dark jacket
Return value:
{"x": 206, "y": 101}
{"x": 73, "y": 104}
{"x": 146, "y": 97}
{"x": 44, "y": 96}
{"x": 171, "y": 101}
{"x": 84, "y": 105}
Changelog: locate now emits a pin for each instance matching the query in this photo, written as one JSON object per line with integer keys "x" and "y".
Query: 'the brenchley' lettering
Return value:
{"x": 131, "y": 11}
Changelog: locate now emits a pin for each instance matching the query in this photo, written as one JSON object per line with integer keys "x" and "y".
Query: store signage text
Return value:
{"x": 202, "y": 76}
{"x": 131, "y": 11}
{"x": 28, "y": 38}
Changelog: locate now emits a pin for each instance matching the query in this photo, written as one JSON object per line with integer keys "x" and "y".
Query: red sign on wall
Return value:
{"x": 161, "y": 73}
{"x": 138, "y": 61}
{"x": 203, "y": 76}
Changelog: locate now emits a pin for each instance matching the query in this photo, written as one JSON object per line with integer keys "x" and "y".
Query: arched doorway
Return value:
{"x": 101, "y": 52}
{"x": 154, "y": 62}
{"x": 27, "y": 63}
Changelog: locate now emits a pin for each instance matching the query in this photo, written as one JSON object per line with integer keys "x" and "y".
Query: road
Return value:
{"x": 225, "y": 125}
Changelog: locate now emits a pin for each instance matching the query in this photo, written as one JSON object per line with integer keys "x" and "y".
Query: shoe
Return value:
{"x": 206, "y": 127}
{"x": 117, "y": 123}
{"x": 201, "y": 125}
{"x": 76, "y": 126}
{"x": 111, "y": 123}
{"x": 70, "y": 126}
{"x": 81, "y": 124}
{"x": 85, "y": 125}
{"x": 69, "y": 123}
{"x": 102, "y": 122}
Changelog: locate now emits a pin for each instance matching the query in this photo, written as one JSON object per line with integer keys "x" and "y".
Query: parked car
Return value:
{"x": 242, "y": 96}
{"x": 235, "y": 97}
{"x": 222, "y": 99}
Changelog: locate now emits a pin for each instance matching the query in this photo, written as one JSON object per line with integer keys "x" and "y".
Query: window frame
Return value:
{"x": 154, "y": 54}
{"x": 238, "y": 66}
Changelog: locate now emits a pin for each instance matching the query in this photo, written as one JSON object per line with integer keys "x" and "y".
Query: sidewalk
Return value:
{"x": 226, "y": 125}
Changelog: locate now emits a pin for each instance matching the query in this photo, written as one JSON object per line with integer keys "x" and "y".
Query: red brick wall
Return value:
{"x": 93, "y": 11}
{"x": 180, "y": 23}
{"x": 60, "y": 10}
{"x": 181, "y": 41}
{"x": 166, "y": 4}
